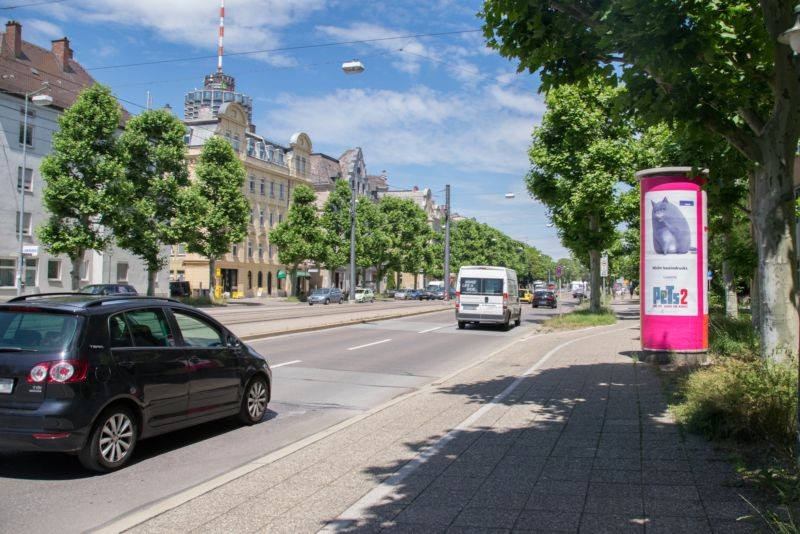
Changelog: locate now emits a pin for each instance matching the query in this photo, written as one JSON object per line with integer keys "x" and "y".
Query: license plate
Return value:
{"x": 6, "y": 385}
{"x": 470, "y": 306}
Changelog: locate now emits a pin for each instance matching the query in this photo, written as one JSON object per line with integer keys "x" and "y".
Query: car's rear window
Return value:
{"x": 37, "y": 330}
{"x": 481, "y": 286}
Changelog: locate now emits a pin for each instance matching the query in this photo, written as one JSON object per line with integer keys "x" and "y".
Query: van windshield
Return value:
{"x": 481, "y": 286}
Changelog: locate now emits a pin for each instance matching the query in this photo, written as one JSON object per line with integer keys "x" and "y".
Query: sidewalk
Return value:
{"x": 562, "y": 432}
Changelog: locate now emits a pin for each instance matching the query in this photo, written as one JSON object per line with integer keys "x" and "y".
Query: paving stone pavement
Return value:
{"x": 564, "y": 432}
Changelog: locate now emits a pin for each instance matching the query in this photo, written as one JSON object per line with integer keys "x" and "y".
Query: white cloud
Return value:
{"x": 417, "y": 127}
{"x": 253, "y": 25}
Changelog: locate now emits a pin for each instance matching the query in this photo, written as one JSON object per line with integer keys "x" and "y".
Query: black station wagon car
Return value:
{"x": 92, "y": 375}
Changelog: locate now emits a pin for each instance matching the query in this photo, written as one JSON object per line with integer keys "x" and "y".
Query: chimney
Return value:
{"x": 62, "y": 51}
{"x": 12, "y": 39}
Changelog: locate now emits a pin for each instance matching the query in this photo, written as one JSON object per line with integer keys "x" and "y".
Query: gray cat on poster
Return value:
{"x": 671, "y": 233}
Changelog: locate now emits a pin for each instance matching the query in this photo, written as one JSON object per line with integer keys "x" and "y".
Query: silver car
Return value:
{"x": 325, "y": 295}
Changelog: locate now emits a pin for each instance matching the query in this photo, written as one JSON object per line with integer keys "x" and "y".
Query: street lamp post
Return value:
{"x": 38, "y": 100}
{"x": 352, "y": 292}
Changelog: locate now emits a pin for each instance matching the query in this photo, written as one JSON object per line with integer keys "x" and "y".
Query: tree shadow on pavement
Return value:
{"x": 574, "y": 448}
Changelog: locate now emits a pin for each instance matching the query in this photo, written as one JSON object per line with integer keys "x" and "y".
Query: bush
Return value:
{"x": 751, "y": 400}
{"x": 732, "y": 337}
{"x": 580, "y": 318}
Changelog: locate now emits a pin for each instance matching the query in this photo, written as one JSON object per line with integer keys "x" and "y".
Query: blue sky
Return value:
{"x": 429, "y": 110}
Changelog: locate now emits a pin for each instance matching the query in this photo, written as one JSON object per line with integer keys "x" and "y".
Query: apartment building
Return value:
{"x": 27, "y": 69}
{"x": 273, "y": 170}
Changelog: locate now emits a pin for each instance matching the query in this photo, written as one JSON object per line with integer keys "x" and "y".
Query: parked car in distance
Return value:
{"x": 400, "y": 294}
{"x": 180, "y": 289}
{"x": 365, "y": 294}
{"x": 414, "y": 294}
{"x": 427, "y": 294}
{"x": 325, "y": 295}
{"x": 544, "y": 297}
{"x": 525, "y": 296}
{"x": 438, "y": 294}
{"x": 92, "y": 375}
{"x": 109, "y": 289}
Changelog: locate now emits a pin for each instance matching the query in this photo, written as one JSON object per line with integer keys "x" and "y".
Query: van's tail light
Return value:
{"x": 458, "y": 298}
{"x": 59, "y": 371}
{"x": 505, "y": 301}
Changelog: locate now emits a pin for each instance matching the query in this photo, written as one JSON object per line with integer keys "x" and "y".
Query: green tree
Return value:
{"x": 716, "y": 65}
{"x": 214, "y": 211}
{"x": 154, "y": 153}
{"x": 80, "y": 175}
{"x": 335, "y": 223}
{"x": 371, "y": 236}
{"x": 299, "y": 237}
{"x": 580, "y": 154}
{"x": 409, "y": 233}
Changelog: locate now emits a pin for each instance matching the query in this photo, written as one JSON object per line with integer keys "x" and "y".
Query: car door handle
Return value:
{"x": 127, "y": 364}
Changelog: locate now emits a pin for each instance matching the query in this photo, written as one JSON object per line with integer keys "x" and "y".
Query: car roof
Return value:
{"x": 84, "y": 303}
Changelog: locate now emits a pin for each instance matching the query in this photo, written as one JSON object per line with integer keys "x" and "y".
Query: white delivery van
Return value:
{"x": 486, "y": 294}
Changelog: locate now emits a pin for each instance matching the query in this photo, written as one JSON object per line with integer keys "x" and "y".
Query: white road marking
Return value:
{"x": 284, "y": 363}
{"x": 369, "y": 344}
{"x": 430, "y": 329}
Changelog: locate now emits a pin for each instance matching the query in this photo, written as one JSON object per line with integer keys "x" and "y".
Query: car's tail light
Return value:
{"x": 505, "y": 301}
{"x": 59, "y": 371}
{"x": 458, "y": 298}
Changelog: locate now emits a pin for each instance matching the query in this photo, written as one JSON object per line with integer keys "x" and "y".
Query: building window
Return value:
{"x": 263, "y": 187}
{"x": 122, "y": 272}
{"x": 26, "y": 135}
{"x": 236, "y": 144}
{"x": 179, "y": 249}
{"x": 252, "y": 184}
{"x": 260, "y": 257}
{"x": 26, "y": 224}
{"x": 30, "y": 272}
{"x": 8, "y": 270}
{"x": 261, "y": 217}
{"x": 281, "y": 192}
{"x": 280, "y": 218}
{"x": 271, "y": 219}
{"x": 272, "y": 190}
{"x": 28, "y": 179}
{"x": 251, "y": 215}
{"x": 249, "y": 249}
{"x": 271, "y": 251}
{"x": 260, "y": 279}
{"x": 249, "y": 279}
{"x": 235, "y": 250}
{"x": 54, "y": 269}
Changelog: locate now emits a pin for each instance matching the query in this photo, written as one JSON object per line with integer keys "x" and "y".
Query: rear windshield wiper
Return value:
{"x": 17, "y": 349}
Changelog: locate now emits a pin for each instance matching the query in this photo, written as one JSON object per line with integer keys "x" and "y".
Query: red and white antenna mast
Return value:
{"x": 221, "y": 33}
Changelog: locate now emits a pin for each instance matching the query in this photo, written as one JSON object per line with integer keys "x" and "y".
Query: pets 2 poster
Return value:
{"x": 670, "y": 253}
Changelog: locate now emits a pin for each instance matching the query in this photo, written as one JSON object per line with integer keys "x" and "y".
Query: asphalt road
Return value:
{"x": 320, "y": 378}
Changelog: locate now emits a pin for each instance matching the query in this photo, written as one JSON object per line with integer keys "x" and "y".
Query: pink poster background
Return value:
{"x": 666, "y": 324}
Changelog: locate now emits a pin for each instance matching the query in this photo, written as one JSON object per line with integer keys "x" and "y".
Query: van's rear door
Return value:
{"x": 482, "y": 296}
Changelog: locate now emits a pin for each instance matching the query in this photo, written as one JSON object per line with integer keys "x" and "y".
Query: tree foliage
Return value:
{"x": 214, "y": 211}
{"x": 335, "y": 222}
{"x": 80, "y": 174}
{"x": 715, "y": 65}
{"x": 581, "y": 153}
{"x": 408, "y": 232}
{"x": 299, "y": 237}
{"x": 153, "y": 152}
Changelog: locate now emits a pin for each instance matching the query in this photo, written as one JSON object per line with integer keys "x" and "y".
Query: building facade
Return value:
{"x": 25, "y": 69}
{"x": 251, "y": 268}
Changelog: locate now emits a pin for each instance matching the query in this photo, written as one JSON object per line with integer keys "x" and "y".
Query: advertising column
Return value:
{"x": 674, "y": 238}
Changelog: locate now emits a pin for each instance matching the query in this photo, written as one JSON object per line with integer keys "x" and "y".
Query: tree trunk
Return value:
{"x": 773, "y": 217}
{"x": 151, "y": 282}
{"x": 731, "y": 299}
{"x": 594, "y": 281}
{"x": 212, "y": 279}
{"x": 75, "y": 275}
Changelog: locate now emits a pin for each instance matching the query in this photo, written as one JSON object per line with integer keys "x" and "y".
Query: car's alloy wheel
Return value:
{"x": 112, "y": 441}
{"x": 254, "y": 403}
